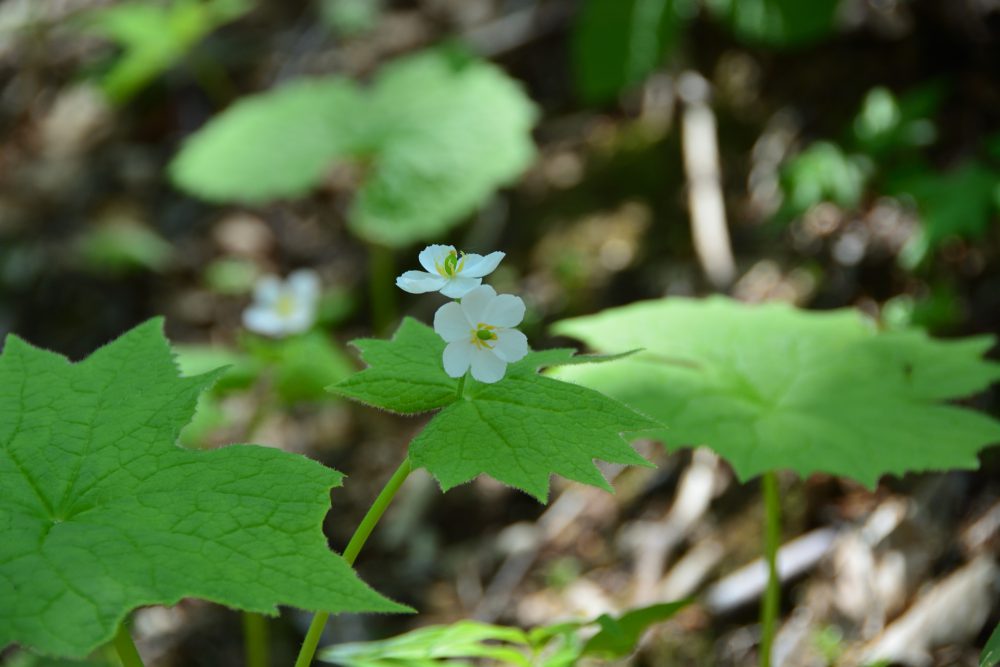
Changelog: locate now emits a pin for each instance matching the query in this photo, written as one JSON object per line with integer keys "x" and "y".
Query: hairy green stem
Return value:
{"x": 772, "y": 540}
{"x": 126, "y": 649}
{"x": 255, "y": 639}
{"x": 461, "y": 386}
{"x": 381, "y": 287}
{"x": 358, "y": 540}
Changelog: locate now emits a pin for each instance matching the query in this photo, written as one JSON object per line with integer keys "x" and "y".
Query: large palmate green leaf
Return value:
{"x": 771, "y": 387}
{"x": 777, "y": 23}
{"x": 154, "y": 37}
{"x": 102, "y": 512}
{"x": 433, "y": 137}
{"x": 617, "y": 43}
{"x": 519, "y": 431}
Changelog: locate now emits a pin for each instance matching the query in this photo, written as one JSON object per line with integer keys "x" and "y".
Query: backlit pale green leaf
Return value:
{"x": 770, "y": 387}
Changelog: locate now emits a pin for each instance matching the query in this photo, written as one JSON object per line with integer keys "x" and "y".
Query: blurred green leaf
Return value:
{"x": 620, "y": 636}
{"x": 959, "y": 203}
{"x": 154, "y": 37}
{"x": 433, "y": 138}
{"x": 770, "y": 387}
{"x": 937, "y": 311}
{"x": 276, "y": 144}
{"x": 991, "y": 652}
{"x": 302, "y": 366}
{"x": 231, "y": 275}
{"x": 458, "y": 644}
{"x": 887, "y": 123}
{"x": 777, "y": 23}
{"x": 617, "y": 43}
{"x": 122, "y": 247}
{"x": 821, "y": 173}
{"x": 240, "y": 371}
{"x": 350, "y": 17}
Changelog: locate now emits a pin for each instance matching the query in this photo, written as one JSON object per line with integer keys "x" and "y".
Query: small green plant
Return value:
{"x": 418, "y": 137}
{"x": 105, "y": 513}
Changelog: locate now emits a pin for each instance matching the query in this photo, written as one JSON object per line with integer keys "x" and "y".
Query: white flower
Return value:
{"x": 479, "y": 334}
{"x": 451, "y": 272}
{"x": 281, "y": 308}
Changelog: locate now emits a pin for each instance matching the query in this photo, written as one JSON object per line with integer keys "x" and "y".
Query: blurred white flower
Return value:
{"x": 281, "y": 308}
{"x": 479, "y": 334}
{"x": 449, "y": 271}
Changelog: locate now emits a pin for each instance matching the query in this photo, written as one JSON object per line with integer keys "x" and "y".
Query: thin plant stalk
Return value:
{"x": 358, "y": 540}
{"x": 125, "y": 648}
{"x": 255, "y": 639}
{"x": 381, "y": 287}
{"x": 772, "y": 540}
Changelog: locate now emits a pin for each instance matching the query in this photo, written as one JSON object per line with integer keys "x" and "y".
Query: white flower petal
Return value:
{"x": 450, "y": 323}
{"x": 511, "y": 345}
{"x": 476, "y": 302}
{"x": 506, "y": 310}
{"x": 477, "y": 266}
{"x": 304, "y": 284}
{"x": 433, "y": 256}
{"x": 486, "y": 366}
{"x": 263, "y": 320}
{"x": 267, "y": 289}
{"x": 456, "y": 358}
{"x": 458, "y": 287}
{"x": 418, "y": 282}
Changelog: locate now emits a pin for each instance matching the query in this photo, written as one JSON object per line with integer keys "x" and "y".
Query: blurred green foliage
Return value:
{"x": 154, "y": 37}
{"x": 435, "y": 135}
{"x": 463, "y": 643}
{"x": 618, "y": 43}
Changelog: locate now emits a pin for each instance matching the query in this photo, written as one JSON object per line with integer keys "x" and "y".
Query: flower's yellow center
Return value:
{"x": 285, "y": 305}
{"x": 452, "y": 264}
{"x": 483, "y": 336}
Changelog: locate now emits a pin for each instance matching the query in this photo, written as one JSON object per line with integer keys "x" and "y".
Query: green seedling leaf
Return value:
{"x": 519, "y": 431}
{"x": 770, "y": 387}
{"x": 777, "y": 23}
{"x": 102, "y": 512}
{"x": 618, "y": 43}
{"x": 961, "y": 203}
{"x": 155, "y": 37}
{"x": 620, "y": 636}
{"x": 433, "y": 137}
{"x": 991, "y": 652}
{"x": 461, "y": 643}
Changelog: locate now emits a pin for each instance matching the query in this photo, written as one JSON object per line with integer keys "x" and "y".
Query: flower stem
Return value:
{"x": 772, "y": 540}
{"x": 460, "y": 392}
{"x": 126, "y": 649}
{"x": 358, "y": 540}
{"x": 381, "y": 286}
{"x": 255, "y": 639}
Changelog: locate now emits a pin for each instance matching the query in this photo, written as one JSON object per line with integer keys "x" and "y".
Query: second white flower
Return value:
{"x": 480, "y": 334}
